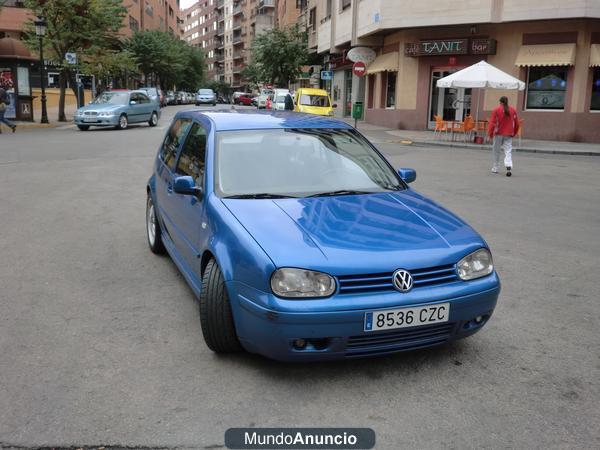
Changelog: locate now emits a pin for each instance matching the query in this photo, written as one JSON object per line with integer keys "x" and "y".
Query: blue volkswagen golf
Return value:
{"x": 303, "y": 243}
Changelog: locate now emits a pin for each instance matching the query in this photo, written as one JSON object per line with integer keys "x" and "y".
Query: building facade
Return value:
{"x": 199, "y": 24}
{"x": 554, "y": 48}
{"x": 150, "y": 15}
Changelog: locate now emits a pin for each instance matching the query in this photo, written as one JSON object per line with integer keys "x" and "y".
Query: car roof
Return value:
{"x": 238, "y": 119}
{"x": 312, "y": 91}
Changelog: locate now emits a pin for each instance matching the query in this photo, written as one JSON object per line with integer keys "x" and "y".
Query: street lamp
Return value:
{"x": 40, "y": 31}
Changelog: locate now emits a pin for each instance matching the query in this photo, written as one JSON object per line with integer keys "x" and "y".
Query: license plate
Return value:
{"x": 407, "y": 317}
{"x": 89, "y": 119}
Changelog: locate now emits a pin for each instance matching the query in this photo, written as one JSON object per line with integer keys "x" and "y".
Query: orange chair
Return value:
{"x": 441, "y": 126}
{"x": 465, "y": 127}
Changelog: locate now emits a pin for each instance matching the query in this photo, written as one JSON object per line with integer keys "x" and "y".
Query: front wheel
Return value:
{"x": 153, "y": 119}
{"x": 216, "y": 318}
{"x": 123, "y": 122}
{"x": 153, "y": 228}
{"x": 83, "y": 127}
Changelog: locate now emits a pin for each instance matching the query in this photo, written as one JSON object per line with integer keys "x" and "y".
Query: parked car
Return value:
{"x": 153, "y": 93}
{"x": 303, "y": 243}
{"x": 118, "y": 109}
{"x": 206, "y": 96}
{"x": 245, "y": 99}
{"x": 171, "y": 98}
{"x": 261, "y": 101}
{"x": 163, "y": 98}
{"x": 235, "y": 96}
{"x": 278, "y": 99}
{"x": 254, "y": 101}
{"x": 313, "y": 101}
{"x": 181, "y": 98}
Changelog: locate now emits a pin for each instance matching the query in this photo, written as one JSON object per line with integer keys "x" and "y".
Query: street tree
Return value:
{"x": 167, "y": 61}
{"x": 110, "y": 66}
{"x": 277, "y": 55}
{"x": 79, "y": 26}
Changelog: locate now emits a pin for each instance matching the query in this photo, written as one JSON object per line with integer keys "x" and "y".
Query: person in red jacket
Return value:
{"x": 504, "y": 125}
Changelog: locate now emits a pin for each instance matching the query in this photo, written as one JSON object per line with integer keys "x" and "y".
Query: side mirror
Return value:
{"x": 133, "y": 102}
{"x": 185, "y": 185}
{"x": 407, "y": 175}
{"x": 334, "y": 105}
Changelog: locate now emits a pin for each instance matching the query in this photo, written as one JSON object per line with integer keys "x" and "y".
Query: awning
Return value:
{"x": 388, "y": 62}
{"x": 546, "y": 55}
{"x": 595, "y": 55}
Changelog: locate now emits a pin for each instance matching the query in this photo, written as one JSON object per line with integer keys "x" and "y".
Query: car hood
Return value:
{"x": 356, "y": 233}
{"x": 100, "y": 107}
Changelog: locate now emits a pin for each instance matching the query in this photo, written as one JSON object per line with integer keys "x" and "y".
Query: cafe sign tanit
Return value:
{"x": 478, "y": 46}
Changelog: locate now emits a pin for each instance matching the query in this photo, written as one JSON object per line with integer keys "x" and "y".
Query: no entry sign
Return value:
{"x": 359, "y": 69}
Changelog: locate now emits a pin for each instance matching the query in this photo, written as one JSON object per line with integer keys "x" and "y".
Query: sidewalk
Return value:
{"x": 426, "y": 138}
{"x": 52, "y": 118}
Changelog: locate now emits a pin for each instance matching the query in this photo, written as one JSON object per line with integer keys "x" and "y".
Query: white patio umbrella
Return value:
{"x": 481, "y": 76}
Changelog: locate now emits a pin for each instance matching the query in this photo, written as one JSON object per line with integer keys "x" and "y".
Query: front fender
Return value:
{"x": 239, "y": 256}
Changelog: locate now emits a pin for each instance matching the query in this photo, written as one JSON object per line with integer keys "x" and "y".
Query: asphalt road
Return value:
{"x": 100, "y": 340}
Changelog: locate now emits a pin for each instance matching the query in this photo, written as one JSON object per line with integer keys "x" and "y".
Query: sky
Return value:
{"x": 187, "y": 3}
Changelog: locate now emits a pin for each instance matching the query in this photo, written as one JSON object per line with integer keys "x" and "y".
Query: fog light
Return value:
{"x": 478, "y": 319}
{"x": 299, "y": 344}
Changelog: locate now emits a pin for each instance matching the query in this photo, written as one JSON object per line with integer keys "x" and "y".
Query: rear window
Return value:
{"x": 280, "y": 99}
{"x": 314, "y": 100}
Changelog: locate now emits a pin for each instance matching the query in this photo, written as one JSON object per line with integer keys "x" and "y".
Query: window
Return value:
{"x": 133, "y": 23}
{"x": 595, "y": 103}
{"x": 192, "y": 158}
{"x": 390, "y": 96}
{"x": 312, "y": 20}
{"x": 143, "y": 98}
{"x": 328, "y": 9}
{"x": 344, "y": 4}
{"x": 546, "y": 88}
{"x": 168, "y": 152}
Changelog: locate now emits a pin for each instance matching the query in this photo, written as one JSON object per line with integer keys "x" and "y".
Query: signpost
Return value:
{"x": 357, "y": 112}
{"x": 326, "y": 75}
{"x": 359, "y": 69}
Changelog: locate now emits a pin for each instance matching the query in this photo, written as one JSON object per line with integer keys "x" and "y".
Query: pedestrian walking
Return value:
{"x": 504, "y": 125}
{"x": 4, "y": 102}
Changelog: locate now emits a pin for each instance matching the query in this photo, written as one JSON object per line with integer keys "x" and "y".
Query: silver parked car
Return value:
{"x": 206, "y": 96}
{"x": 118, "y": 109}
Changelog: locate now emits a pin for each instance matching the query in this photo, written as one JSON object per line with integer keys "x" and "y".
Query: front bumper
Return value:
{"x": 205, "y": 101}
{"x": 100, "y": 121}
{"x": 339, "y": 334}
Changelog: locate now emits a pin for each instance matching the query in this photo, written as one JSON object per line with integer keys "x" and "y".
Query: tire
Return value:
{"x": 153, "y": 119}
{"x": 153, "y": 231}
{"x": 216, "y": 318}
{"x": 214, "y": 104}
{"x": 123, "y": 122}
{"x": 83, "y": 127}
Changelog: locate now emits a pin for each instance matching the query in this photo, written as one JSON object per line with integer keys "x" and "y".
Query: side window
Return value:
{"x": 168, "y": 151}
{"x": 143, "y": 98}
{"x": 134, "y": 97}
{"x": 192, "y": 158}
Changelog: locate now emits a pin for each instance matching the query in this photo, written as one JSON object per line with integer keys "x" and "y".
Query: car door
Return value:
{"x": 165, "y": 172}
{"x": 146, "y": 107}
{"x": 134, "y": 110}
{"x": 190, "y": 210}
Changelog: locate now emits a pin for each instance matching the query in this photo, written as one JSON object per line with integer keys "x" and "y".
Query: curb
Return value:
{"x": 32, "y": 126}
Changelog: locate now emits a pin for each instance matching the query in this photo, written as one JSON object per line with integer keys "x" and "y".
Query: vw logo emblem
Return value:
{"x": 403, "y": 280}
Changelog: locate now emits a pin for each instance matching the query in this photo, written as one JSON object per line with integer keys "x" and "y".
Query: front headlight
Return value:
{"x": 106, "y": 114}
{"x": 301, "y": 283}
{"x": 476, "y": 265}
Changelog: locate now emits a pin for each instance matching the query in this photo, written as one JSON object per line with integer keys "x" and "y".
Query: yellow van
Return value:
{"x": 313, "y": 101}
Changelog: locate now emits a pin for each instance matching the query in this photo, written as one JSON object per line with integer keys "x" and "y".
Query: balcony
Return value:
{"x": 266, "y": 4}
{"x": 237, "y": 9}
{"x": 238, "y": 55}
{"x": 220, "y": 71}
{"x": 238, "y": 68}
{"x": 237, "y": 39}
{"x": 220, "y": 4}
{"x": 237, "y": 24}
{"x": 220, "y": 31}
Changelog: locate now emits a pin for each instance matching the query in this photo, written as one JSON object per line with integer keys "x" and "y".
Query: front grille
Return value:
{"x": 378, "y": 282}
{"x": 398, "y": 340}
{"x": 90, "y": 113}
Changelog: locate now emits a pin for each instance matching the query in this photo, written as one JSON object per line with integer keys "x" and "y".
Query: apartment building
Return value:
{"x": 150, "y": 15}
{"x": 199, "y": 24}
{"x": 553, "y": 46}
{"x": 289, "y": 12}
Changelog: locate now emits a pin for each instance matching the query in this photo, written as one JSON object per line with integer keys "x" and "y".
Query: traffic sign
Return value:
{"x": 71, "y": 58}
{"x": 326, "y": 75}
{"x": 359, "y": 69}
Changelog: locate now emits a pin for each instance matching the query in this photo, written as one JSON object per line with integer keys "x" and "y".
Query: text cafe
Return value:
{"x": 559, "y": 61}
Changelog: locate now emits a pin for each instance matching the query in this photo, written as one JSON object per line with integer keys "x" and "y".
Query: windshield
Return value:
{"x": 314, "y": 100}
{"x": 299, "y": 163}
{"x": 205, "y": 92}
{"x": 112, "y": 98}
{"x": 280, "y": 99}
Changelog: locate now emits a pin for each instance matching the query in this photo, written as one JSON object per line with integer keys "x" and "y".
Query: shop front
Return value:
{"x": 15, "y": 65}
{"x": 561, "y": 70}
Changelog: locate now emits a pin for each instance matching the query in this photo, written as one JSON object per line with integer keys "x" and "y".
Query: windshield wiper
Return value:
{"x": 340, "y": 192}
{"x": 261, "y": 195}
